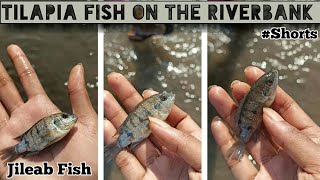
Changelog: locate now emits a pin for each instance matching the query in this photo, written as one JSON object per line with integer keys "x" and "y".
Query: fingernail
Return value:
{"x": 110, "y": 74}
{"x": 272, "y": 114}
{"x": 15, "y": 50}
{"x": 246, "y": 69}
{"x": 211, "y": 87}
{"x": 79, "y": 70}
{"x": 159, "y": 122}
{"x": 150, "y": 91}
{"x": 234, "y": 83}
{"x": 217, "y": 118}
{"x": 105, "y": 93}
{"x": 144, "y": 93}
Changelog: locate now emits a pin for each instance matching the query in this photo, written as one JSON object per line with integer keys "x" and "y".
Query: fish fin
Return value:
{"x": 119, "y": 131}
{"x": 19, "y": 138}
{"x": 116, "y": 134}
{"x": 236, "y": 151}
{"x": 9, "y": 154}
{"x": 111, "y": 151}
{"x": 133, "y": 145}
{"x": 238, "y": 111}
{"x": 255, "y": 136}
{"x": 31, "y": 153}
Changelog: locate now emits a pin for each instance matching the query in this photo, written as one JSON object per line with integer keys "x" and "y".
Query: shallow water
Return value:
{"x": 53, "y": 50}
{"x": 233, "y": 47}
{"x": 162, "y": 63}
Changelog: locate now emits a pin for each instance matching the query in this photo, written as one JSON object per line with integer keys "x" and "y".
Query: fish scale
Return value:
{"x": 135, "y": 128}
{"x": 45, "y": 132}
{"x": 248, "y": 118}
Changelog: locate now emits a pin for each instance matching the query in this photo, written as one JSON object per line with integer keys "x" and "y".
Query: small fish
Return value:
{"x": 248, "y": 118}
{"x": 47, "y": 131}
{"x": 135, "y": 128}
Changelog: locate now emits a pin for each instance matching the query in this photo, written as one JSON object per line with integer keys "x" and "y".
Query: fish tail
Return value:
{"x": 111, "y": 151}
{"x": 236, "y": 151}
{"x": 9, "y": 154}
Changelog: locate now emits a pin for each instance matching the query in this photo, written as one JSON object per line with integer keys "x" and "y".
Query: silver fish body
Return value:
{"x": 135, "y": 128}
{"x": 248, "y": 119}
{"x": 45, "y": 132}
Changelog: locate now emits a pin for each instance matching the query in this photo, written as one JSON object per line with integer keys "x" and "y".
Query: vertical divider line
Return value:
{"x": 100, "y": 101}
{"x": 204, "y": 100}
{"x": 0, "y": 12}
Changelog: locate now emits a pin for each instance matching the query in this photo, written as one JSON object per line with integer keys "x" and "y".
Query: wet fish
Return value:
{"x": 248, "y": 119}
{"x": 135, "y": 128}
{"x": 47, "y": 131}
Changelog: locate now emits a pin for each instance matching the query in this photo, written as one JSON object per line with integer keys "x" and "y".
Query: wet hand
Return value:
{"x": 289, "y": 147}
{"x": 160, "y": 155}
{"x": 17, "y": 116}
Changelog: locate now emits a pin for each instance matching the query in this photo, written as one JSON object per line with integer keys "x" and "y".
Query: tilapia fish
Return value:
{"x": 135, "y": 128}
{"x": 44, "y": 133}
{"x": 248, "y": 119}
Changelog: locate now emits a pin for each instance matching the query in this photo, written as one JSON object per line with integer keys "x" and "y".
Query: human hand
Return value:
{"x": 168, "y": 152}
{"x": 289, "y": 149}
{"x": 16, "y": 117}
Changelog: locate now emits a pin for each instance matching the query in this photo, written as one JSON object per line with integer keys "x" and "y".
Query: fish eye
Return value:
{"x": 156, "y": 106}
{"x": 249, "y": 127}
{"x": 65, "y": 116}
{"x": 163, "y": 98}
{"x": 56, "y": 121}
{"x": 270, "y": 82}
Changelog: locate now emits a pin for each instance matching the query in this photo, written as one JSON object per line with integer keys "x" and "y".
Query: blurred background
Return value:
{"x": 53, "y": 51}
{"x": 169, "y": 62}
{"x": 231, "y": 48}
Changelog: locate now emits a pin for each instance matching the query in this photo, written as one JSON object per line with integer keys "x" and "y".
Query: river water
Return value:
{"x": 162, "y": 63}
{"x": 231, "y": 48}
{"x": 53, "y": 50}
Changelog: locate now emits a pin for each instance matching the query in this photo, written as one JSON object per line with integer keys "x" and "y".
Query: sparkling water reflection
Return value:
{"x": 234, "y": 47}
{"x": 163, "y": 63}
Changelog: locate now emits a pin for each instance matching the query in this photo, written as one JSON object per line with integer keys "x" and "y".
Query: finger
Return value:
{"x": 128, "y": 164}
{"x": 113, "y": 111}
{"x": 241, "y": 90}
{"x": 79, "y": 98}
{"x": 223, "y": 103}
{"x": 300, "y": 147}
{"x": 4, "y": 117}
{"x": 177, "y": 118}
{"x": 264, "y": 149}
{"x": 193, "y": 174}
{"x": 283, "y": 103}
{"x": 9, "y": 94}
{"x": 243, "y": 169}
{"x": 25, "y": 71}
{"x": 183, "y": 144}
{"x": 146, "y": 152}
{"x": 123, "y": 89}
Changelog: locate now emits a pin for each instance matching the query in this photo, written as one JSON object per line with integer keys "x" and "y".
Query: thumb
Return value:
{"x": 79, "y": 98}
{"x": 183, "y": 144}
{"x": 298, "y": 146}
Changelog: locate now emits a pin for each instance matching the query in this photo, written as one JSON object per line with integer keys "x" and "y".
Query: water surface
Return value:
{"x": 231, "y": 48}
{"x": 162, "y": 63}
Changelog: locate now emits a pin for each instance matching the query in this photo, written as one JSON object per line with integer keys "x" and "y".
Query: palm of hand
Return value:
{"x": 150, "y": 159}
{"x": 282, "y": 166}
{"x": 28, "y": 114}
{"x": 16, "y": 117}
{"x": 169, "y": 164}
{"x": 291, "y": 134}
